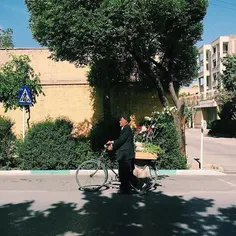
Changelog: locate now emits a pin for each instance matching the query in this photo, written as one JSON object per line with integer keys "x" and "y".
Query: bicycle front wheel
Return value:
{"x": 91, "y": 175}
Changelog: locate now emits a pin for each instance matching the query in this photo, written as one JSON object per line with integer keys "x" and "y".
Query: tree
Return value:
{"x": 6, "y": 38}
{"x": 227, "y": 88}
{"x": 105, "y": 74}
{"x": 159, "y": 36}
{"x": 13, "y": 75}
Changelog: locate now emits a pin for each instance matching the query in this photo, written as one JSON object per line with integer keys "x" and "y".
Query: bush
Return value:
{"x": 49, "y": 145}
{"x": 103, "y": 131}
{"x": 7, "y": 143}
{"x": 224, "y": 128}
{"x": 168, "y": 139}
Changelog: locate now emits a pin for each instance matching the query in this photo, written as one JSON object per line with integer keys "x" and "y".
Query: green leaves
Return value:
{"x": 49, "y": 145}
{"x": 6, "y": 38}
{"x": 7, "y": 142}
{"x": 85, "y": 32}
{"x": 227, "y": 88}
{"x": 15, "y": 74}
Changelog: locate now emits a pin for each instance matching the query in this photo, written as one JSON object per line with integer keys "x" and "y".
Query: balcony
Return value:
{"x": 200, "y": 73}
{"x": 192, "y": 100}
{"x": 209, "y": 95}
{"x": 213, "y": 56}
{"x": 201, "y": 88}
{"x": 216, "y": 69}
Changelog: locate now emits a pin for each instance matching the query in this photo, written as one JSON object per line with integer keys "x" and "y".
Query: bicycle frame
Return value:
{"x": 104, "y": 161}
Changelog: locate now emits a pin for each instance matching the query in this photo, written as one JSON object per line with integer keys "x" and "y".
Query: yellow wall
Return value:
{"x": 72, "y": 101}
{"x": 68, "y": 94}
{"x": 51, "y": 72}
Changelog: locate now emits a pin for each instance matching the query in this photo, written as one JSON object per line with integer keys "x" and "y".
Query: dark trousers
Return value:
{"x": 126, "y": 168}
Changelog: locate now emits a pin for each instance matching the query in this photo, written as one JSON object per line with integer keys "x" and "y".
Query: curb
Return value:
{"x": 72, "y": 172}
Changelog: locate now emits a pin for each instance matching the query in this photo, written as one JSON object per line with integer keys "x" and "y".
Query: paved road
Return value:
{"x": 219, "y": 151}
{"x": 181, "y": 205}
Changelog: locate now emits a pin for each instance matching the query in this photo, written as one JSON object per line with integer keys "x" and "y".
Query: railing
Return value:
{"x": 192, "y": 100}
{"x": 212, "y": 94}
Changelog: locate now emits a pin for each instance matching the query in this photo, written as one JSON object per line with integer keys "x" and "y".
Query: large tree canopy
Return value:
{"x": 157, "y": 36}
{"x": 85, "y": 30}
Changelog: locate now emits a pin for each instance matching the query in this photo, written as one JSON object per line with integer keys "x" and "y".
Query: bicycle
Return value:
{"x": 96, "y": 170}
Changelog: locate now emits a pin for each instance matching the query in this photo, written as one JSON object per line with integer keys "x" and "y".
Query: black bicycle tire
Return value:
{"x": 96, "y": 163}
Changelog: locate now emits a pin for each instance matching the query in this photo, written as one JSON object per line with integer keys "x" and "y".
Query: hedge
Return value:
{"x": 49, "y": 145}
{"x": 223, "y": 128}
{"x": 7, "y": 143}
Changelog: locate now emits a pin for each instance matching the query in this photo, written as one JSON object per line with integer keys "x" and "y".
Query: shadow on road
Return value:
{"x": 152, "y": 214}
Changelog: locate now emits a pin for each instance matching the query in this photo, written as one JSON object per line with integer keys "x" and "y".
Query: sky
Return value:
{"x": 219, "y": 21}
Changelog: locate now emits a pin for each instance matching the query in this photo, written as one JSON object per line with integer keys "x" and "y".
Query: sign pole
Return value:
{"x": 201, "y": 147}
{"x": 203, "y": 128}
{"x": 24, "y": 99}
{"x": 23, "y": 123}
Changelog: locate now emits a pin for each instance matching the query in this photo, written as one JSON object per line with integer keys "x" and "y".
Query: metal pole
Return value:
{"x": 201, "y": 147}
{"x": 23, "y": 123}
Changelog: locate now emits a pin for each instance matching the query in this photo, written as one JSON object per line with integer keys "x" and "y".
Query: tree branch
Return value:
{"x": 144, "y": 66}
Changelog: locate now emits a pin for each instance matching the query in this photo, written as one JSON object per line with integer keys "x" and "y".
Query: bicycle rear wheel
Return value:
{"x": 91, "y": 175}
{"x": 146, "y": 177}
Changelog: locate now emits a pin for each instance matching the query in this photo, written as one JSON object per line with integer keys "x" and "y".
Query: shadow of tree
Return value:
{"x": 152, "y": 214}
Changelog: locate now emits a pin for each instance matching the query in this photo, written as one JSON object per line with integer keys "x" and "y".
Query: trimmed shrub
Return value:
{"x": 49, "y": 145}
{"x": 223, "y": 128}
{"x": 169, "y": 141}
{"x": 7, "y": 143}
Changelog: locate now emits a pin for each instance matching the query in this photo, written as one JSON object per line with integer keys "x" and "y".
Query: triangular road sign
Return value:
{"x": 25, "y": 96}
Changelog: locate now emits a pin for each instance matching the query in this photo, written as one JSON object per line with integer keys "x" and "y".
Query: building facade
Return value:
{"x": 210, "y": 66}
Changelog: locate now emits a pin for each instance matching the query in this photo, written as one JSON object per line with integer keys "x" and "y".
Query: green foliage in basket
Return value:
{"x": 151, "y": 148}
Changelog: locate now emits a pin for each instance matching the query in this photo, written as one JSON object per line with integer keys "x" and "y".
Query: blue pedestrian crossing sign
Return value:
{"x": 24, "y": 96}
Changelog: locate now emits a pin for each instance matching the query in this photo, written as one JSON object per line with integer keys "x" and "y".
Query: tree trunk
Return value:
{"x": 179, "y": 118}
{"x": 145, "y": 68}
{"x": 29, "y": 116}
{"x": 180, "y": 125}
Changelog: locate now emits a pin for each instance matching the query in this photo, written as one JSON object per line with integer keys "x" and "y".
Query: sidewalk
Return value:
{"x": 218, "y": 153}
{"x": 72, "y": 172}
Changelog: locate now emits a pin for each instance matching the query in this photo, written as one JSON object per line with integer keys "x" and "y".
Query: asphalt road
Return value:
{"x": 219, "y": 151}
{"x": 180, "y": 205}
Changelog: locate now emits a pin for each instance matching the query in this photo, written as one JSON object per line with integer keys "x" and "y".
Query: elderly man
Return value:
{"x": 124, "y": 147}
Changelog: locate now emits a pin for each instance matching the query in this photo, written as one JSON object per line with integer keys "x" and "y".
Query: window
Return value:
{"x": 208, "y": 81}
{"x": 214, "y": 63}
{"x": 214, "y": 49}
{"x": 215, "y": 79}
{"x": 207, "y": 66}
{"x": 225, "y": 47}
{"x": 207, "y": 54}
{"x": 201, "y": 81}
{"x": 201, "y": 68}
{"x": 200, "y": 56}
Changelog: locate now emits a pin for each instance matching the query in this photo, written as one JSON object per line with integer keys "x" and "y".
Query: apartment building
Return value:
{"x": 210, "y": 65}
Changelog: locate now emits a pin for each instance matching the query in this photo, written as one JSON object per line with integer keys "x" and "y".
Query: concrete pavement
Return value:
{"x": 217, "y": 151}
{"x": 180, "y": 205}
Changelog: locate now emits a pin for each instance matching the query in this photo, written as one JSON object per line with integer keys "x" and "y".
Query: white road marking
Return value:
{"x": 234, "y": 185}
